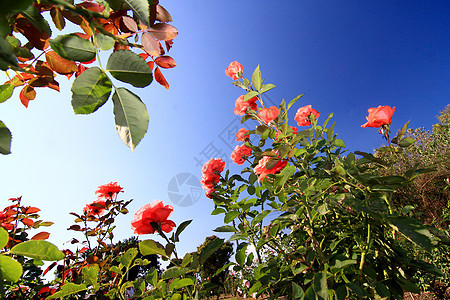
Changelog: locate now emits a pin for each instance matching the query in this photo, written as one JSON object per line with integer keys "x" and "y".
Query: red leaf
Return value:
{"x": 119, "y": 46}
{"x": 144, "y": 55}
{"x": 165, "y": 62}
{"x": 150, "y": 44}
{"x": 81, "y": 69}
{"x": 151, "y": 64}
{"x": 32, "y": 210}
{"x": 60, "y": 65}
{"x": 27, "y": 221}
{"x": 169, "y": 44}
{"x": 91, "y": 6}
{"x": 162, "y": 14}
{"x": 57, "y": 18}
{"x": 27, "y": 94}
{"x": 160, "y": 78}
{"x": 83, "y": 35}
{"x": 111, "y": 28}
{"x": 163, "y": 31}
{"x": 41, "y": 236}
{"x": 38, "y": 39}
{"x": 54, "y": 85}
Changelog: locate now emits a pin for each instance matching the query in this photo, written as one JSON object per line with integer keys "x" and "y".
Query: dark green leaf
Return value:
{"x": 330, "y": 132}
{"x": 240, "y": 253}
{"x": 413, "y": 230}
{"x": 131, "y": 117}
{"x": 320, "y": 285}
{"x": 5, "y": 139}
{"x": 42, "y": 250}
{"x": 180, "y": 228}
{"x": 210, "y": 249}
{"x": 406, "y": 142}
{"x": 10, "y": 270}
{"x": 297, "y": 291}
{"x": 180, "y": 283}
{"x": 260, "y": 217}
{"x": 127, "y": 66}
{"x": 90, "y": 91}
{"x": 230, "y": 216}
{"x": 73, "y": 47}
{"x": 7, "y": 57}
{"x": 38, "y": 21}
{"x": 225, "y": 228}
{"x": 140, "y": 9}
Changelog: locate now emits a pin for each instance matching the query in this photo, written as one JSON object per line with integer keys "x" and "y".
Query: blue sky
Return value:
{"x": 345, "y": 56}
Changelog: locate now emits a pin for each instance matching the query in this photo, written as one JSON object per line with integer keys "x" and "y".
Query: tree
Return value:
{"x": 428, "y": 193}
{"x": 214, "y": 262}
{"x": 136, "y": 31}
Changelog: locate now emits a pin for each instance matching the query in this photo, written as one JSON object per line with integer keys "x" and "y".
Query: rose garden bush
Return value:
{"x": 311, "y": 220}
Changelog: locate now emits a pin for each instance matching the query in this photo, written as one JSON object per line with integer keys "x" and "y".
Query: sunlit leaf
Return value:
{"x": 41, "y": 236}
{"x": 165, "y": 62}
{"x": 162, "y": 14}
{"x": 42, "y": 250}
{"x": 4, "y": 238}
{"x": 104, "y": 42}
{"x": 140, "y": 9}
{"x": 159, "y": 77}
{"x": 6, "y": 91}
{"x": 57, "y": 18}
{"x": 60, "y": 65}
{"x": 90, "y": 91}
{"x": 148, "y": 247}
{"x": 10, "y": 270}
{"x": 131, "y": 117}
{"x": 127, "y": 66}
{"x": 68, "y": 289}
{"x": 27, "y": 94}
{"x": 5, "y": 139}
{"x": 163, "y": 31}
{"x": 150, "y": 44}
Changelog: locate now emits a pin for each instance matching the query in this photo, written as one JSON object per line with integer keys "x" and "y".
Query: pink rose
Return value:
{"x": 234, "y": 70}
{"x": 382, "y": 115}
{"x": 262, "y": 171}
{"x": 303, "y": 113}
{"x": 152, "y": 215}
{"x": 242, "y": 135}
{"x": 240, "y": 153}
{"x": 268, "y": 114}
{"x": 241, "y": 105}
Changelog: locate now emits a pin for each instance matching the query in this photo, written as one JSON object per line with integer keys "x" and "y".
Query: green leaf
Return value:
{"x": 6, "y": 91}
{"x": 225, "y": 228}
{"x": 210, "y": 249}
{"x": 250, "y": 95}
{"x": 5, "y": 139}
{"x": 217, "y": 211}
{"x": 104, "y": 42}
{"x": 68, "y": 289}
{"x": 127, "y": 66}
{"x": 180, "y": 229}
{"x": 42, "y": 250}
{"x": 178, "y": 284}
{"x": 90, "y": 275}
{"x": 90, "y": 91}
{"x": 406, "y": 142}
{"x": 284, "y": 175}
{"x": 256, "y": 78}
{"x": 292, "y": 102}
{"x": 297, "y": 291}
{"x": 260, "y": 217}
{"x": 126, "y": 259}
{"x": 330, "y": 132}
{"x": 400, "y": 133}
{"x": 266, "y": 87}
{"x": 7, "y": 57}
{"x": 140, "y": 9}
{"x": 10, "y": 270}
{"x": 320, "y": 285}
{"x": 175, "y": 272}
{"x": 4, "y": 238}
{"x": 240, "y": 253}
{"x": 230, "y": 216}
{"x": 413, "y": 230}
{"x": 115, "y": 4}
{"x": 339, "y": 143}
{"x": 38, "y": 21}
{"x": 131, "y": 117}
{"x": 72, "y": 47}
{"x": 148, "y": 247}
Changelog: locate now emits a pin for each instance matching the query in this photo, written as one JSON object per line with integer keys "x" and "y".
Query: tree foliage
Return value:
{"x": 136, "y": 34}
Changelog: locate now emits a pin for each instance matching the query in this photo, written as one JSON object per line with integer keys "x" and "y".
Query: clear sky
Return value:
{"x": 345, "y": 56}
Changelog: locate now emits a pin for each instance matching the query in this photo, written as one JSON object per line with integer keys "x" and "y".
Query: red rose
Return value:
{"x": 96, "y": 208}
{"x": 152, "y": 216}
{"x": 234, "y": 70}
{"x": 242, "y": 135}
{"x": 240, "y": 106}
{"x": 262, "y": 171}
{"x": 303, "y": 113}
{"x": 382, "y": 115}
{"x": 240, "y": 153}
{"x": 268, "y": 114}
{"x": 211, "y": 172}
{"x": 108, "y": 191}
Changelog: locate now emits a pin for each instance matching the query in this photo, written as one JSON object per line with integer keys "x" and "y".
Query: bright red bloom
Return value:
{"x": 303, "y": 113}
{"x": 96, "y": 208}
{"x": 108, "y": 191}
{"x": 268, "y": 114}
{"x": 262, "y": 170}
{"x": 241, "y": 106}
{"x": 382, "y": 115}
{"x": 242, "y": 135}
{"x": 240, "y": 153}
{"x": 211, "y": 172}
{"x": 234, "y": 70}
{"x": 152, "y": 216}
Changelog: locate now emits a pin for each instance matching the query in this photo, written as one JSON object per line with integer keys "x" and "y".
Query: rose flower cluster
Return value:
{"x": 211, "y": 175}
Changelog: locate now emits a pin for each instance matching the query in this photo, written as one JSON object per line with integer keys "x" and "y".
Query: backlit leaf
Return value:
{"x": 57, "y": 18}
{"x": 127, "y": 66}
{"x": 150, "y": 44}
{"x": 165, "y": 62}
{"x": 60, "y": 65}
{"x": 163, "y": 31}
{"x": 160, "y": 78}
{"x": 5, "y": 139}
{"x": 90, "y": 90}
{"x": 140, "y": 9}
{"x": 4, "y": 238}
{"x": 6, "y": 91}
{"x": 162, "y": 14}
{"x": 148, "y": 247}
{"x": 10, "y": 270}
{"x": 41, "y": 236}
{"x": 73, "y": 47}
{"x": 41, "y": 250}
{"x": 27, "y": 94}
{"x": 131, "y": 117}
{"x": 104, "y": 42}
{"x": 68, "y": 289}
{"x": 38, "y": 21}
